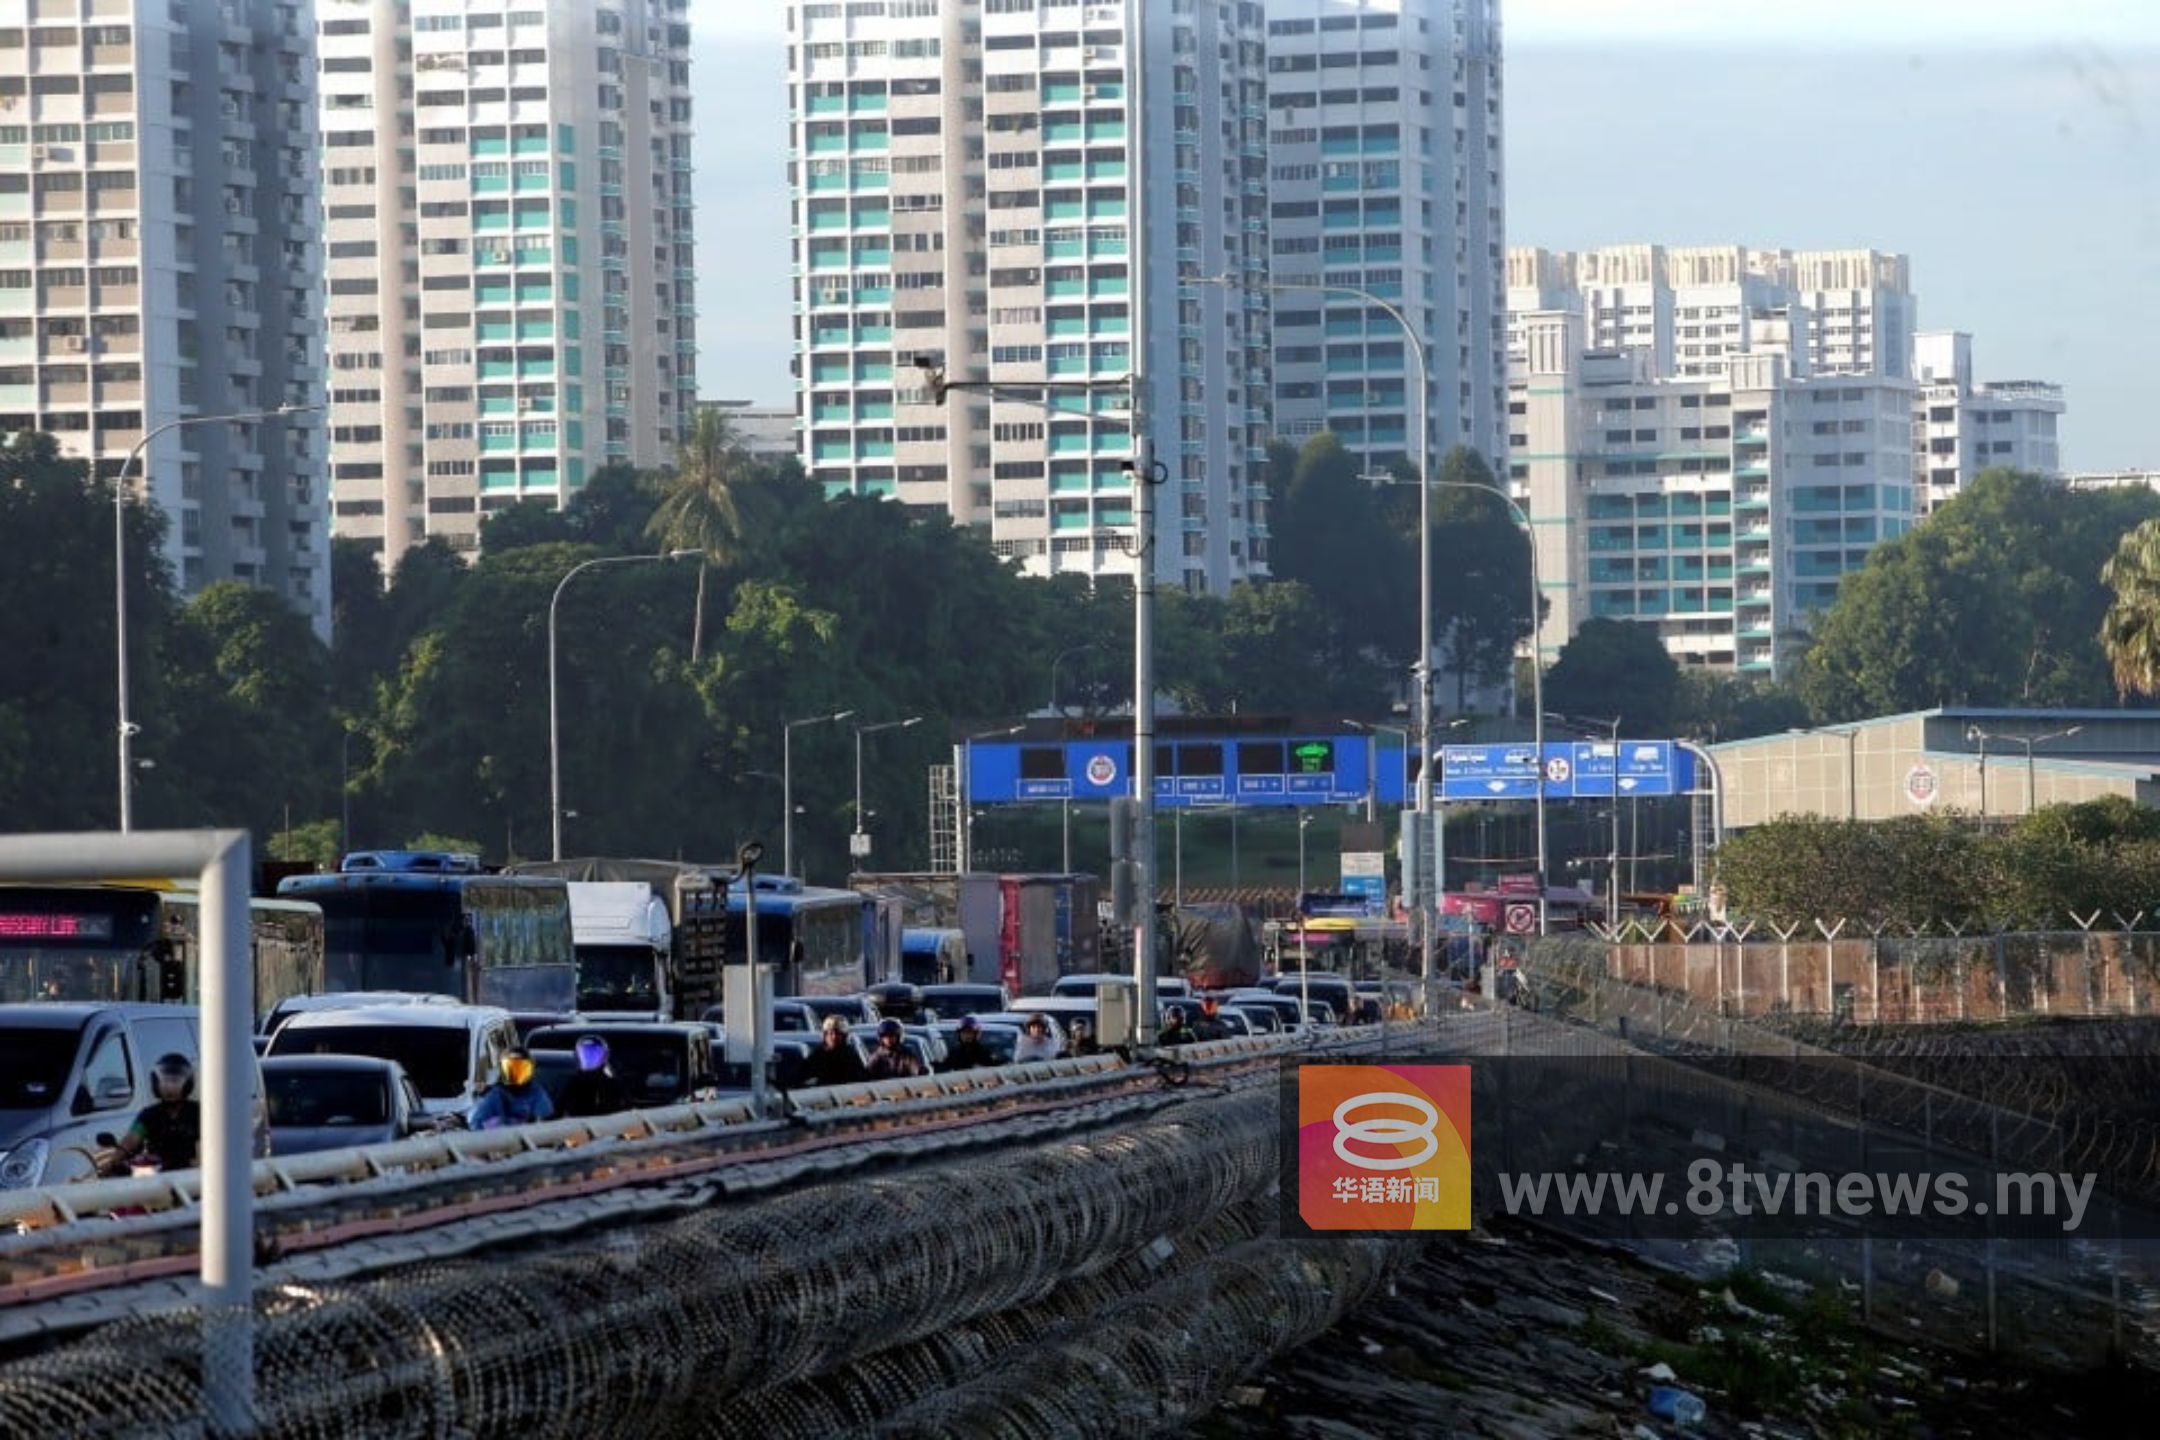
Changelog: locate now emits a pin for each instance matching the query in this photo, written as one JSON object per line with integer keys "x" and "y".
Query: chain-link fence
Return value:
{"x": 2063, "y": 1099}
{"x": 1880, "y": 976}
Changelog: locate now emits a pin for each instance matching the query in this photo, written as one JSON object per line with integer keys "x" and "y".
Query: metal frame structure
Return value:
{"x": 222, "y": 861}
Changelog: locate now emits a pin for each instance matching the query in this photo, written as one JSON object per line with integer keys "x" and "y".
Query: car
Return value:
{"x": 552, "y": 1070}
{"x": 1284, "y": 1007}
{"x": 1317, "y": 986}
{"x": 327, "y": 1102}
{"x": 854, "y": 1009}
{"x": 1016, "y": 1022}
{"x": 896, "y": 999}
{"x": 73, "y": 1077}
{"x": 293, "y": 1005}
{"x": 950, "y": 1002}
{"x": 1232, "y": 1020}
{"x": 452, "y": 1052}
{"x": 658, "y": 1062}
{"x": 1262, "y": 1019}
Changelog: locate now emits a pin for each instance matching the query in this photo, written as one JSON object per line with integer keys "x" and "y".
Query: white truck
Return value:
{"x": 625, "y": 950}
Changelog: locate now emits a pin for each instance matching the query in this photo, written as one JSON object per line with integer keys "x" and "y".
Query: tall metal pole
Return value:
{"x": 1142, "y": 468}
{"x": 1537, "y": 674}
{"x": 1612, "y": 881}
{"x": 555, "y": 806}
{"x": 120, "y": 611}
{"x": 760, "y": 1041}
{"x": 787, "y": 781}
{"x": 859, "y": 847}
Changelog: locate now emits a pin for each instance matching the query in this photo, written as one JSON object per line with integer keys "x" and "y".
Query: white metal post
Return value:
{"x": 223, "y": 860}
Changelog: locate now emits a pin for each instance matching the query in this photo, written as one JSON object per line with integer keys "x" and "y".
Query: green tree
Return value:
{"x": 1616, "y": 668}
{"x": 1995, "y": 600}
{"x": 312, "y": 843}
{"x": 699, "y": 506}
{"x": 255, "y": 729}
{"x": 528, "y": 522}
{"x": 1719, "y": 705}
{"x": 1481, "y": 574}
{"x": 57, "y": 703}
{"x": 1331, "y": 533}
{"x": 2130, "y": 631}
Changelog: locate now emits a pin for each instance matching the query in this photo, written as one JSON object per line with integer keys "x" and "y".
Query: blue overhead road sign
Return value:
{"x": 1572, "y": 770}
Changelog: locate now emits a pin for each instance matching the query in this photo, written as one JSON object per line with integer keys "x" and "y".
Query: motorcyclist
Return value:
{"x": 892, "y": 1059}
{"x": 834, "y": 1062}
{"x": 967, "y": 1051}
{"x": 1210, "y": 1025}
{"x": 1175, "y": 1031}
{"x": 594, "y": 1089}
{"x": 517, "y": 1100}
{"x": 169, "y": 1131}
{"x": 1036, "y": 1042}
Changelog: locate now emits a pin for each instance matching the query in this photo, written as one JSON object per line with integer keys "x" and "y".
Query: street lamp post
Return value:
{"x": 128, "y": 728}
{"x": 1372, "y": 788}
{"x": 859, "y": 843}
{"x": 787, "y": 782}
{"x": 1612, "y": 879}
{"x": 1429, "y": 905}
{"x": 555, "y": 809}
{"x": 1065, "y": 803}
{"x": 1537, "y": 671}
{"x": 2032, "y": 795}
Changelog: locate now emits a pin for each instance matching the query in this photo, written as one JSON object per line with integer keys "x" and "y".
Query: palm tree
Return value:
{"x": 2130, "y": 631}
{"x": 698, "y": 509}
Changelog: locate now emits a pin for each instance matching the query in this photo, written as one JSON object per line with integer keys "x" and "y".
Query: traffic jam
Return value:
{"x": 410, "y": 992}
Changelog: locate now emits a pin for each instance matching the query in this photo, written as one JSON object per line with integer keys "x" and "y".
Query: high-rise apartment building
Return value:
{"x": 1847, "y": 312}
{"x": 160, "y": 257}
{"x": 1721, "y": 509}
{"x": 1031, "y": 193}
{"x": 1963, "y": 426}
{"x": 1384, "y": 175}
{"x": 509, "y": 230}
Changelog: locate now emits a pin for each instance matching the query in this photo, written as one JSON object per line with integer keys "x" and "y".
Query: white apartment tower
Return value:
{"x": 509, "y": 229}
{"x": 1689, "y": 308}
{"x": 1384, "y": 123}
{"x": 1030, "y": 193}
{"x": 160, "y": 258}
{"x": 1963, "y": 426}
{"x": 1723, "y": 510}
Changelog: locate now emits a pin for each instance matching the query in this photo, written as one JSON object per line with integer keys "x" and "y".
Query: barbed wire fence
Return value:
{"x": 1138, "y": 1263}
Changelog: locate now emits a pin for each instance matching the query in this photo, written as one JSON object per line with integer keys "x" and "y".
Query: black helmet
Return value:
{"x": 889, "y": 1029}
{"x": 173, "y": 1077}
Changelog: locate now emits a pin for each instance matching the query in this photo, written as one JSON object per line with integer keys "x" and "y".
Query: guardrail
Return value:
{"x": 102, "y": 1234}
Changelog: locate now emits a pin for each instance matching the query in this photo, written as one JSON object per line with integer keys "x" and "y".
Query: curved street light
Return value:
{"x": 128, "y": 728}
{"x": 555, "y": 809}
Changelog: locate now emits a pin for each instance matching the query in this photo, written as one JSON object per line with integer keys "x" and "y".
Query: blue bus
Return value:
{"x": 435, "y": 923}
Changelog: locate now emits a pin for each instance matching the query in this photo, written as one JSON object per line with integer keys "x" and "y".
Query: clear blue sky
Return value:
{"x": 2012, "y": 149}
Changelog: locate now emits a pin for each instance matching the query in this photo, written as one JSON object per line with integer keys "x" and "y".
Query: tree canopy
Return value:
{"x": 1995, "y": 600}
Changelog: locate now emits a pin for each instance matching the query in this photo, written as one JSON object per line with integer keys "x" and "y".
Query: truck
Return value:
{"x": 625, "y": 940}
{"x": 1021, "y": 931}
{"x": 688, "y": 976}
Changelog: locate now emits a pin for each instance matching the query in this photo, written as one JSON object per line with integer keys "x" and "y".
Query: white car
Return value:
{"x": 452, "y": 1052}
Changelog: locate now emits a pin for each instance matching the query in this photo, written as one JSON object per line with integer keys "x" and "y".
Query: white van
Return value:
{"x": 452, "y": 1052}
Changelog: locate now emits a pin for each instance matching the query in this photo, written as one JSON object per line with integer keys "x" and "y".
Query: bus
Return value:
{"x": 436, "y": 924}
{"x": 817, "y": 941}
{"x": 141, "y": 940}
